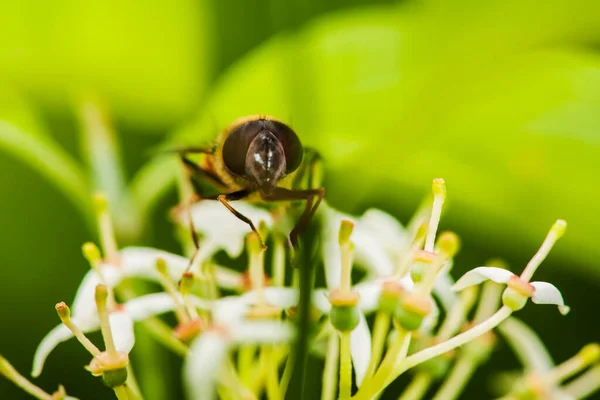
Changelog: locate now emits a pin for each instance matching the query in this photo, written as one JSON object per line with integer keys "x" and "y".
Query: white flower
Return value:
{"x": 137, "y": 262}
{"x": 121, "y": 322}
{"x": 208, "y": 353}
{"x": 542, "y": 292}
{"x": 221, "y": 229}
{"x": 378, "y": 240}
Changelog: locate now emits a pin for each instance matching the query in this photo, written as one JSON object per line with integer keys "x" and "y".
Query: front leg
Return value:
{"x": 281, "y": 194}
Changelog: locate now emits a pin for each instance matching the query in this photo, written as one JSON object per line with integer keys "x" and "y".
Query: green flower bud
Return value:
{"x": 514, "y": 299}
{"x": 344, "y": 318}
{"x": 412, "y": 310}
{"x": 114, "y": 377}
{"x": 391, "y": 293}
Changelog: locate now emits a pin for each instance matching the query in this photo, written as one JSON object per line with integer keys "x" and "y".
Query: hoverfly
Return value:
{"x": 250, "y": 160}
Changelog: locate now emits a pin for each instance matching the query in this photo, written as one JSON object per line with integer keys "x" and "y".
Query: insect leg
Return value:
{"x": 197, "y": 171}
{"x": 281, "y": 194}
{"x": 225, "y": 198}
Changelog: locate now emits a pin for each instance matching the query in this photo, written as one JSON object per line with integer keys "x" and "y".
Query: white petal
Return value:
{"x": 121, "y": 326}
{"x": 390, "y": 233}
{"x": 148, "y": 305}
{"x": 331, "y": 246}
{"x": 547, "y": 293}
{"x": 369, "y": 293}
{"x": 220, "y": 227}
{"x": 57, "y": 335}
{"x": 431, "y": 320}
{"x": 360, "y": 349}
{"x": 480, "y": 274}
{"x": 370, "y": 253}
{"x": 229, "y": 310}
{"x": 262, "y": 332}
{"x": 141, "y": 262}
{"x": 527, "y": 346}
{"x": 283, "y": 297}
{"x": 83, "y": 308}
{"x": 204, "y": 364}
{"x": 442, "y": 288}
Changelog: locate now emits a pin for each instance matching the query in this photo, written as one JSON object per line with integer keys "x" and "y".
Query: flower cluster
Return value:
{"x": 236, "y": 329}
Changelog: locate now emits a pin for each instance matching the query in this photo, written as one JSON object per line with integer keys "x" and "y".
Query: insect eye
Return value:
{"x": 290, "y": 142}
{"x": 236, "y": 146}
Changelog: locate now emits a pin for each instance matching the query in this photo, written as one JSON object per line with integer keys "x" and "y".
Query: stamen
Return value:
{"x": 185, "y": 286}
{"x": 346, "y": 229}
{"x": 588, "y": 355}
{"x": 105, "y": 226}
{"x": 64, "y": 313}
{"x": 8, "y": 371}
{"x": 256, "y": 267}
{"x": 171, "y": 289}
{"x": 405, "y": 263}
{"x": 92, "y": 254}
{"x": 448, "y": 245}
{"x": 439, "y": 195}
{"x": 556, "y": 232}
{"x": 101, "y": 298}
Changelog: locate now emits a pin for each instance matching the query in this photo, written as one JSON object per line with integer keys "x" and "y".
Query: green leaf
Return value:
{"x": 24, "y": 138}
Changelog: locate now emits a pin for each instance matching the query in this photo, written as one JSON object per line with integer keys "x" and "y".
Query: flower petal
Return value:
{"x": 121, "y": 326}
{"x": 547, "y": 293}
{"x": 480, "y": 274}
{"x": 262, "y": 332}
{"x": 204, "y": 364}
{"x": 221, "y": 229}
{"x": 360, "y": 349}
{"x": 152, "y": 304}
{"x": 83, "y": 308}
{"x": 442, "y": 288}
{"x": 56, "y": 336}
{"x": 390, "y": 233}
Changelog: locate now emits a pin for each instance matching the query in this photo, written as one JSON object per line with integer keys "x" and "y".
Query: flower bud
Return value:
{"x": 344, "y": 318}
{"x": 412, "y": 310}
{"x": 391, "y": 293}
{"x": 115, "y": 377}
{"x": 344, "y": 314}
{"x": 513, "y": 299}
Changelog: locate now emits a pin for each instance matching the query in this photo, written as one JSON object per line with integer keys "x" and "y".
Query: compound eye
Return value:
{"x": 290, "y": 142}
{"x": 236, "y": 146}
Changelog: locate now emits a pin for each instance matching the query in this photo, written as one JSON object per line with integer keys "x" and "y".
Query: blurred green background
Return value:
{"x": 502, "y": 99}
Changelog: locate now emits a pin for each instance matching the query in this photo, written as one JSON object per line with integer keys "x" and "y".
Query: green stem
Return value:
{"x": 278, "y": 261}
{"x": 396, "y": 352}
{"x": 272, "y": 373}
{"x": 287, "y": 374}
{"x": 245, "y": 361}
{"x": 417, "y": 388}
{"x": 331, "y": 369}
{"x": 458, "y": 340}
{"x": 457, "y": 379}
{"x": 121, "y": 393}
{"x": 380, "y": 330}
{"x": 345, "y": 367}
